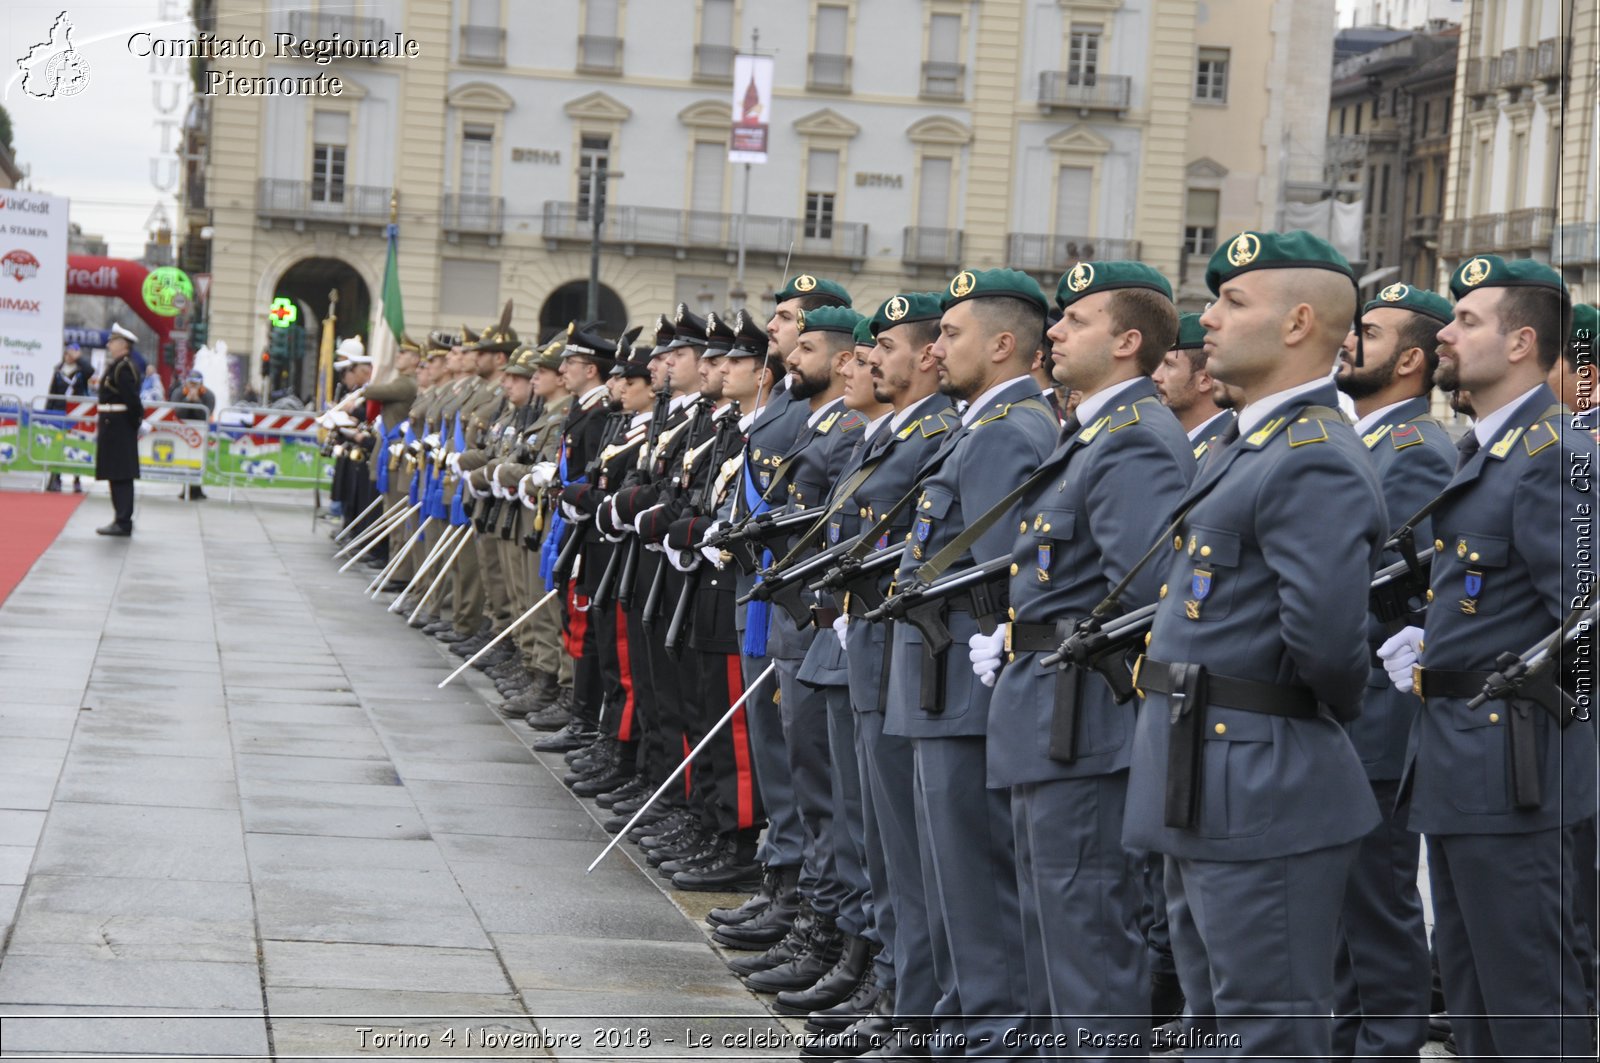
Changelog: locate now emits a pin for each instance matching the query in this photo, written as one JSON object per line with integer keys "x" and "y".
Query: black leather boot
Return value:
{"x": 769, "y": 924}
{"x": 909, "y": 1041}
{"x": 733, "y": 868}
{"x": 836, "y": 984}
{"x": 782, "y": 951}
{"x": 868, "y": 1032}
{"x": 821, "y": 953}
{"x": 772, "y": 884}
{"x": 864, "y": 998}
{"x": 575, "y": 735}
{"x": 635, "y": 785}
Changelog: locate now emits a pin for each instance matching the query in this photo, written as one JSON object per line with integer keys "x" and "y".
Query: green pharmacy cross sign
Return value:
{"x": 283, "y": 312}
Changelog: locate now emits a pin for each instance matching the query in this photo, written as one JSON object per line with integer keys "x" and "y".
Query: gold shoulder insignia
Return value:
{"x": 910, "y": 430}
{"x": 1088, "y": 434}
{"x": 1123, "y": 416}
{"x": 933, "y": 424}
{"x": 1200, "y": 450}
{"x": 827, "y": 423}
{"x": 1372, "y": 438}
{"x": 1504, "y": 444}
{"x": 1266, "y": 431}
{"x": 995, "y": 416}
{"x": 1301, "y": 432}
{"x": 1538, "y": 437}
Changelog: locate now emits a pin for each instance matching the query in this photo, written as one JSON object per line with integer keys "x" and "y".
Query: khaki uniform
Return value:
{"x": 539, "y": 640}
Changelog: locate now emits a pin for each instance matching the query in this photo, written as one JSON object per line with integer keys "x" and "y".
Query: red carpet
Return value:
{"x": 29, "y": 523}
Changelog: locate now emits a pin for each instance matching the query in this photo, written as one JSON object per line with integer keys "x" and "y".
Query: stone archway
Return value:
{"x": 307, "y": 283}
{"x": 568, "y": 303}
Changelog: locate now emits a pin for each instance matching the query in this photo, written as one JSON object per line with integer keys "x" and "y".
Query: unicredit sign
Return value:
{"x": 30, "y": 206}
{"x": 84, "y": 281}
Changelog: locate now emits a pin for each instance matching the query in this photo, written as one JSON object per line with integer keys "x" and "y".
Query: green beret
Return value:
{"x": 1191, "y": 334}
{"x": 864, "y": 333}
{"x": 907, "y": 307}
{"x": 829, "y": 319}
{"x": 1292, "y": 250}
{"x": 1087, "y": 278}
{"x": 805, "y": 284}
{"x": 1580, "y": 341}
{"x": 1417, "y": 300}
{"x": 1012, "y": 283}
{"x": 524, "y": 360}
{"x": 1492, "y": 271}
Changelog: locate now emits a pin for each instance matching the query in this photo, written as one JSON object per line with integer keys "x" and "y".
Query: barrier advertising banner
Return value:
{"x": 752, "y": 108}
{"x": 33, "y": 288}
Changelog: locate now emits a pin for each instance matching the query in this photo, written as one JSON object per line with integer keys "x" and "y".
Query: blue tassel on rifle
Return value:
{"x": 458, "y": 512}
{"x": 758, "y": 619}
{"x": 550, "y": 551}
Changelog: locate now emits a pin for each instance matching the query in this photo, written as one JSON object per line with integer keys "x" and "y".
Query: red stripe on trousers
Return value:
{"x": 687, "y": 768}
{"x": 577, "y": 621}
{"x": 625, "y": 667}
{"x": 743, "y": 775}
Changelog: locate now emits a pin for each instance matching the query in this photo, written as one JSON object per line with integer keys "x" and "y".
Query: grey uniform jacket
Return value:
{"x": 1519, "y": 516}
{"x": 771, "y": 434}
{"x": 975, "y": 466}
{"x": 1114, "y": 487}
{"x": 1414, "y": 459}
{"x": 1266, "y": 581}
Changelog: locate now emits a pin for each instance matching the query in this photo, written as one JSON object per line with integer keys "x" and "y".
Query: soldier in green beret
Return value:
{"x": 1242, "y": 774}
{"x": 1573, "y": 378}
{"x": 1189, "y": 390}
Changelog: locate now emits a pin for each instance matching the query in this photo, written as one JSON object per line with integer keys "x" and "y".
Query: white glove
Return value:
{"x": 573, "y": 514}
{"x": 453, "y": 460}
{"x": 495, "y": 489}
{"x": 715, "y": 526}
{"x": 340, "y": 419}
{"x": 432, "y": 439}
{"x": 525, "y": 489}
{"x": 638, "y": 521}
{"x": 713, "y": 555}
{"x": 473, "y": 491}
{"x": 611, "y": 507}
{"x": 683, "y": 561}
{"x": 987, "y": 653}
{"x": 1399, "y": 654}
{"x": 543, "y": 473}
{"x": 841, "y": 624}
{"x": 144, "y": 429}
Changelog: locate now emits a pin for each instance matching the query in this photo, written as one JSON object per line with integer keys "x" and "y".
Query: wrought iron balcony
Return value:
{"x": 472, "y": 215}
{"x": 931, "y": 247}
{"x": 1038, "y": 252}
{"x": 1576, "y": 244}
{"x": 1452, "y": 238}
{"x": 1550, "y": 59}
{"x": 1482, "y": 76}
{"x": 944, "y": 81}
{"x": 683, "y": 230}
{"x": 714, "y": 62}
{"x": 321, "y": 25}
{"x": 483, "y": 44}
{"x": 1423, "y": 228}
{"x": 1086, "y": 92}
{"x": 1528, "y": 229}
{"x": 1485, "y": 232}
{"x": 1351, "y": 150}
{"x": 599, "y": 55}
{"x": 307, "y": 203}
{"x": 828, "y": 73}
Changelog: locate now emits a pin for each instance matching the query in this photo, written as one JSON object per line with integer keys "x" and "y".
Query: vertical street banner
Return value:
{"x": 33, "y": 289}
{"x": 752, "y": 108}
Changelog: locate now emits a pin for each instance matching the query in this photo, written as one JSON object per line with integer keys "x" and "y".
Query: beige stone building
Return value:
{"x": 909, "y": 138}
{"x": 1521, "y": 178}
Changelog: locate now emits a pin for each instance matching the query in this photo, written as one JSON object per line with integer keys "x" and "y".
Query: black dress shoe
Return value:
{"x": 868, "y": 999}
{"x": 783, "y": 950}
{"x": 619, "y": 775}
{"x": 820, "y": 954}
{"x": 869, "y": 1031}
{"x": 636, "y": 786}
{"x": 708, "y": 852}
{"x": 551, "y": 718}
{"x": 835, "y": 986}
{"x": 115, "y": 530}
{"x": 575, "y": 735}
{"x": 394, "y": 586}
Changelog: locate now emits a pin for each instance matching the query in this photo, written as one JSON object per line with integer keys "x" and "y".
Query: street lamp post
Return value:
{"x": 599, "y": 177}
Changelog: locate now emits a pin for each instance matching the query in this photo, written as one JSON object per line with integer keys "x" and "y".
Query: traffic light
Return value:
{"x": 278, "y": 344}
{"x": 197, "y": 335}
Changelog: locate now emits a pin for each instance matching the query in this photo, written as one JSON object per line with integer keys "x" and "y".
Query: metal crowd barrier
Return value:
{"x": 255, "y": 446}
{"x": 172, "y": 449}
{"x": 13, "y": 423}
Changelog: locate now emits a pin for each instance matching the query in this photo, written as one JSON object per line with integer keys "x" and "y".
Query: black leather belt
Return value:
{"x": 1271, "y": 699}
{"x": 1527, "y": 787}
{"x": 1445, "y": 683}
{"x": 1037, "y": 638}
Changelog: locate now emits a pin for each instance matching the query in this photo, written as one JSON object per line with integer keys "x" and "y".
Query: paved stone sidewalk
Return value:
{"x": 238, "y": 820}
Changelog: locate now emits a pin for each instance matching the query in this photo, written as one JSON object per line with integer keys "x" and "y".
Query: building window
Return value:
{"x": 469, "y": 288}
{"x": 330, "y": 134}
{"x": 713, "y": 56}
{"x": 1383, "y": 191}
{"x": 594, "y": 159}
{"x": 477, "y": 160}
{"x": 822, "y": 184}
{"x": 1074, "y": 185}
{"x": 943, "y": 73}
{"x": 1083, "y": 55}
{"x": 1211, "y": 76}
{"x": 830, "y": 59}
{"x": 1341, "y": 121}
{"x": 600, "y": 49}
{"x": 1427, "y": 116}
{"x": 483, "y": 39}
{"x": 1201, "y": 207}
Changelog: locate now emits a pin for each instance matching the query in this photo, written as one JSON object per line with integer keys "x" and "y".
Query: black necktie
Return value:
{"x": 1069, "y": 429}
{"x": 1466, "y": 449}
{"x": 1229, "y": 436}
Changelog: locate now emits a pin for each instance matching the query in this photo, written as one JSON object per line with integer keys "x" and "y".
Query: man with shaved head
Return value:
{"x": 1242, "y": 774}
